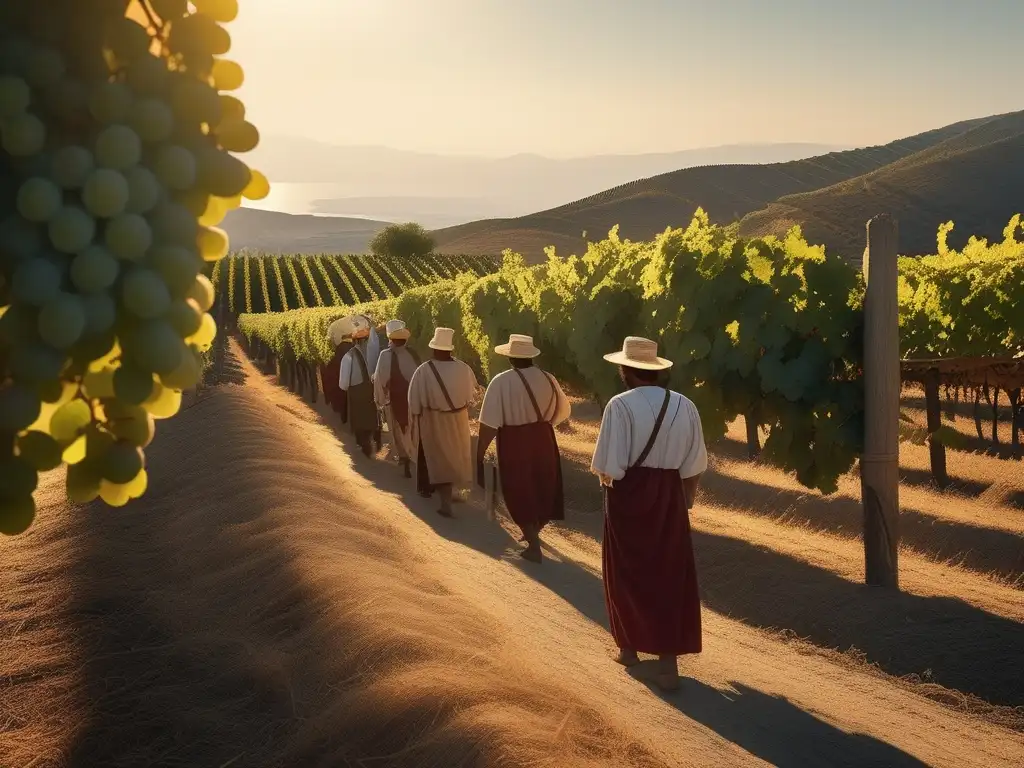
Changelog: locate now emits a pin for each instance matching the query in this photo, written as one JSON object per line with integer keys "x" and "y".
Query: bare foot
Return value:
{"x": 532, "y": 553}
{"x": 667, "y": 682}
{"x": 627, "y": 658}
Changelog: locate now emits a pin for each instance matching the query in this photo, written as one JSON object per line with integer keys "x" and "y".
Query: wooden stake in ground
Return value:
{"x": 936, "y": 450}
{"x": 879, "y": 466}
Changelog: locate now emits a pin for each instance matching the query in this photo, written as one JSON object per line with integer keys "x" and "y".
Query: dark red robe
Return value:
{"x": 531, "y": 474}
{"x": 330, "y": 374}
{"x": 650, "y": 577}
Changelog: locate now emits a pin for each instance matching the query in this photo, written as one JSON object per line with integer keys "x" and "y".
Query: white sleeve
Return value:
{"x": 344, "y": 372}
{"x": 490, "y": 411}
{"x": 562, "y": 407}
{"x": 611, "y": 455}
{"x": 695, "y": 458}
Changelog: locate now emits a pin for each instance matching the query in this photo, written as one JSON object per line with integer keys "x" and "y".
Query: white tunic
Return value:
{"x": 507, "y": 404}
{"x": 351, "y": 373}
{"x": 425, "y": 394}
{"x": 627, "y": 425}
{"x": 382, "y": 376}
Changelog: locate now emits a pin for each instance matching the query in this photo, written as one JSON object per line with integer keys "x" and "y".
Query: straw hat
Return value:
{"x": 443, "y": 339}
{"x": 638, "y": 352}
{"x": 395, "y": 329}
{"x": 351, "y": 327}
{"x": 518, "y": 346}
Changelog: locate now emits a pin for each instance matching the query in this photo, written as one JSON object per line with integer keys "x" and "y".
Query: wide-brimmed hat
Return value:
{"x": 443, "y": 339}
{"x": 638, "y": 352}
{"x": 518, "y": 346}
{"x": 350, "y": 327}
{"x": 395, "y": 329}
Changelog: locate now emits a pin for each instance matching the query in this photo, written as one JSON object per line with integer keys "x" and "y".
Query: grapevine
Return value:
{"x": 247, "y": 276}
{"x": 312, "y": 282}
{"x": 367, "y": 265}
{"x": 322, "y": 271}
{"x": 339, "y": 267}
{"x": 299, "y": 297}
{"x": 116, "y": 165}
{"x": 352, "y": 265}
{"x": 276, "y": 264}
{"x": 261, "y": 264}
{"x": 231, "y": 284}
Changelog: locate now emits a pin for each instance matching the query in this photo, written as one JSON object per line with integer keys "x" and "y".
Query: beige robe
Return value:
{"x": 401, "y": 439}
{"x": 439, "y": 428}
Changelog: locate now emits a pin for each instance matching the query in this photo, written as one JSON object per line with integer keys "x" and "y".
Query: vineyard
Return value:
{"x": 768, "y": 329}
{"x": 254, "y": 282}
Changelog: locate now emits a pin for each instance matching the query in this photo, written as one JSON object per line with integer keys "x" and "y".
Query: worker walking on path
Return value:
{"x": 521, "y": 407}
{"x": 440, "y": 393}
{"x": 357, "y": 406}
{"x": 395, "y": 368}
{"x": 649, "y": 457}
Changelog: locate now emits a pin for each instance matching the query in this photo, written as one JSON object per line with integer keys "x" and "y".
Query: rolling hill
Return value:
{"x": 975, "y": 179}
{"x": 286, "y": 233}
{"x": 969, "y": 171}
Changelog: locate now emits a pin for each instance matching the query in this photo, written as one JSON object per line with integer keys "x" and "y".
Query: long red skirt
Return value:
{"x": 329, "y": 375}
{"x": 650, "y": 577}
{"x": 531, "y": 474}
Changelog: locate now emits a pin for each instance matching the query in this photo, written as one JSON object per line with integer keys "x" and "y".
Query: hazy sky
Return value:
{"x": 575, "y": 77}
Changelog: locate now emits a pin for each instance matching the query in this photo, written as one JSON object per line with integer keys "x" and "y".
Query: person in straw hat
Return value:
{"x": 440, "y": 393}
{"x": 521, "y": 406}
{"x": 649, "y": 457}
{"x": 357, "y": 406}
{"x": 395, "y": 368}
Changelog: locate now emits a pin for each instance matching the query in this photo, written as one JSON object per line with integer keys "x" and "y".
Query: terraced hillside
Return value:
{"x": 976, "y": 179}
{"x": 728, "y": 193}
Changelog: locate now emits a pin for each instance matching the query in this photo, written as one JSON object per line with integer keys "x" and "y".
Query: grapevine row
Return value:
{"x": 765, "y": 328}
{"x": 298, "y": 281}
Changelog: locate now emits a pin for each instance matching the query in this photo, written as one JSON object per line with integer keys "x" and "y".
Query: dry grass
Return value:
{"x": 254, "y": 611}
{"x": 267, "y": 606}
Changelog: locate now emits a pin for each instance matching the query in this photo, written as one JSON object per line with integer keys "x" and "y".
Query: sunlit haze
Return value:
{"x": 576, "y": 77}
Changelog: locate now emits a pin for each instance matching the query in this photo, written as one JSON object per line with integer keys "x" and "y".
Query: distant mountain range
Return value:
{"x": 971, "y": 172}
{"x": 441, "y": 190}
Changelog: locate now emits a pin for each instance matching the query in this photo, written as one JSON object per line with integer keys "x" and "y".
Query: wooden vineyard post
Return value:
{"x": 880, "y": 462}
{"x": 936, "y": 450}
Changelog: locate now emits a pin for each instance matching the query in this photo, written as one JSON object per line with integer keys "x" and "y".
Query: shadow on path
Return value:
{"x": 777, "y": 731}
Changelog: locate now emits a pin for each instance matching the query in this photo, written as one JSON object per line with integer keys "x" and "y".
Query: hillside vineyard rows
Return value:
{"x": 251, "y": 281}
{"x": 765, "y": 328}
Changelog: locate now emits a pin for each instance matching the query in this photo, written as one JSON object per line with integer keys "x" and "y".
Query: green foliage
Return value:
{"x": 772, "y": 322}
{"x": 964, "y": 303}
{"x": 402, "y": 241}
{"x": 768, "y": 328}
{"x": 252, "y": 281}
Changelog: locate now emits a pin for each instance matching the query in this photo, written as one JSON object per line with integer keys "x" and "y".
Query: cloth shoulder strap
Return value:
{"x": 440, "y": 381}
{"x": 362, "y": 365}
{"x": 654, "y": 432}
{"x": 533, "y": 399}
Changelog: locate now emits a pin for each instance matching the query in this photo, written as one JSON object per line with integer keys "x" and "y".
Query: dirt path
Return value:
{"x": 748, "y": 691}
{"x": 277, "y": 602}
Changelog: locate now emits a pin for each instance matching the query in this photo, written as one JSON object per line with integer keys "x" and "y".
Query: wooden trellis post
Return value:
{"x": 880, "y": 463}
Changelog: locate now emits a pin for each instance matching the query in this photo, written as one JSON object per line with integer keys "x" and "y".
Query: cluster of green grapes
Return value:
{"x": 115, "y": 166}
